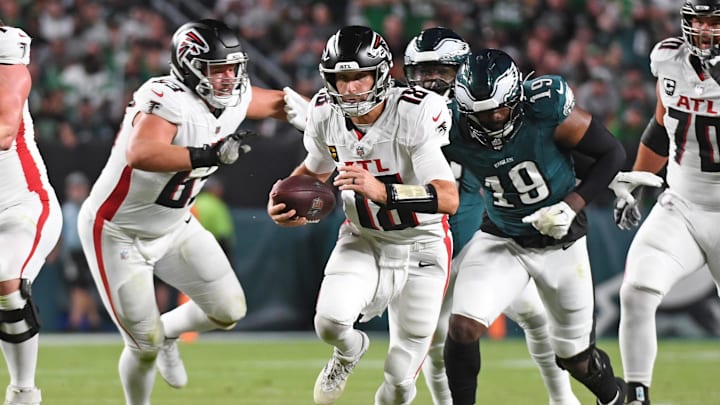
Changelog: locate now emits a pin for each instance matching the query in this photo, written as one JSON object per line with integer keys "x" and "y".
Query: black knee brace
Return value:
{"x": 28, "y": 313}
{"x": 599, "y": 377}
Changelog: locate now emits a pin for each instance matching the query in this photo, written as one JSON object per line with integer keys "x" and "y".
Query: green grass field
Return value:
{"x": 281, "y": 369}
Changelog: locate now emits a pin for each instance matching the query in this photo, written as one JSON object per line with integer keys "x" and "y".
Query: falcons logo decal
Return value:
{"x": 192, "y": 44}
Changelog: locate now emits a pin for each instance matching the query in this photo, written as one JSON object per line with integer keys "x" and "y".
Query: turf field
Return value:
{"x": 273, "y": 369}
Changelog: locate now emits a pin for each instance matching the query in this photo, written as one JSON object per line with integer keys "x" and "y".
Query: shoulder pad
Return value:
{"x": 548, "y": 98}
{"x": 667, "y": 49}
{"x": 413, "y": 99}
{"x": 320, "y": 107}
{"x": 14, "y": 46}
{"x": 164, "y": 97}
{"x": 425, "y": 113}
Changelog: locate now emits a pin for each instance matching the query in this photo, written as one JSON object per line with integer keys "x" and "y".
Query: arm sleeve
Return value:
{"x": 655, "y": 137}
{"x": 609, "y": 155}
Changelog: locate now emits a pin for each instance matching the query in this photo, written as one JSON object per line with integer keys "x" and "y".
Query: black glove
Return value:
{"x": 226, "y": 151}
{"x": 626, "y": 213}
{"x": 712, "y": 63}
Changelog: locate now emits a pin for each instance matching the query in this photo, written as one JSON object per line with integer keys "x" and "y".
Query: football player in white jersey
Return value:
{"x": 680, "y": 235}
{"x": 394, "y": 249}
{"x": 136, "y": 223}
{"x": 432, "y": 59}
{"x": 30, "y": 218}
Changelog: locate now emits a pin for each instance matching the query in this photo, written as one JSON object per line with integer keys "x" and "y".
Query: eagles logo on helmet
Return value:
{"x": 432, "y": 60}
{"x": 490, "y": 81}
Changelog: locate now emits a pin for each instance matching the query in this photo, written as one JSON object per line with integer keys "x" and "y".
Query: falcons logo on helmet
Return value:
{"x": 192, "y": 44}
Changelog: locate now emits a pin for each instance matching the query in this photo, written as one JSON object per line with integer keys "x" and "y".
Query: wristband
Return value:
{"x": 413, "y": 197}
{"x": 203, "y": 157}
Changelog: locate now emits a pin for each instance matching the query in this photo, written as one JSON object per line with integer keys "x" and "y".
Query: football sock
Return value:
{"x": 462, "y": 365}
{"x": 137, "y": 375}
{"x": 557, "y": 381}
{"x": 185, "y": 318}
{"x": 434, "y": 373}
{"x": 347, "y": 340}
{"x": 21, "y": 358}
{"x": 637, "y": 336}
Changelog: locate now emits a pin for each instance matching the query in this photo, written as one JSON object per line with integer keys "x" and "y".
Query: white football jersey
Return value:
{"x": 402, "y": 146}
{"x": 23, "y": 170}
{"x": 692, "y": 119}
{"x": 150, "y": 204}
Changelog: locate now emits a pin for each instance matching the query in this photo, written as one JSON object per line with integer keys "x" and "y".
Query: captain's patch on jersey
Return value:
{"x": 669, "y": 86}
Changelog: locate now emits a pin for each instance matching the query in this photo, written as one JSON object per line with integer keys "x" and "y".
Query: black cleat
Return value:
{"x": 622, "y": 393}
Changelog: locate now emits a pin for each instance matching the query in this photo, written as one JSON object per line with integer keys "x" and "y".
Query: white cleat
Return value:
{"x": 170, "y": 365}
{"x": 330, "y": 383}
{"x": 22, "y": 396}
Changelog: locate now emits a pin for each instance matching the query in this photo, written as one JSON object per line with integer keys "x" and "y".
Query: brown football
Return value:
{"x": 308, "y": 196}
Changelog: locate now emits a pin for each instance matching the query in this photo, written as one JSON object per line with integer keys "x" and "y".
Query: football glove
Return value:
{"x": 626, "y": 212}
{"x": 296, "y": 108}
{"x": 226, "y": 151}
{"x": 712, "y": 63}
{"x": 553, "y": 221}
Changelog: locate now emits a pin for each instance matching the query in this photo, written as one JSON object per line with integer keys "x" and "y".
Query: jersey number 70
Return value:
{"x": 707, "y": 132}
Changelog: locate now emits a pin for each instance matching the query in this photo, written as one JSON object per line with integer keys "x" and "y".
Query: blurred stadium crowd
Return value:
{"x": 88, "y": 56}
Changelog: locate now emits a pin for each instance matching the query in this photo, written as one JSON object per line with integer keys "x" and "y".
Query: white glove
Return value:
{"x": 232, "y": 146}
{"x": 626, "y": 213}
{"x": 553, "y": 221}
{"x": 296, "y": 108}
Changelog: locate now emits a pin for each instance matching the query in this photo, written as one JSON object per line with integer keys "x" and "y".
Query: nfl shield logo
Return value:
{"x": 360, "y": 151}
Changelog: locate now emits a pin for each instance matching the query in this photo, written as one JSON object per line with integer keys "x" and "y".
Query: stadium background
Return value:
{"x": 88, "y": 57}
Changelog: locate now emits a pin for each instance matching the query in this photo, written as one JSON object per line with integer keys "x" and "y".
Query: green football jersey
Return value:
{"x": 530, "y": 171}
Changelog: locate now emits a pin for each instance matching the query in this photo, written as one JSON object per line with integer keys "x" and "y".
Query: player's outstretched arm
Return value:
{"x": 581, "y": 132}
{"x": 286, "y": 105}
{"x": 150, "y": 146}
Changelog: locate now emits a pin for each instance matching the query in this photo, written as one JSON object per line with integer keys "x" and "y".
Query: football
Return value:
{"x": 309, "y": 197}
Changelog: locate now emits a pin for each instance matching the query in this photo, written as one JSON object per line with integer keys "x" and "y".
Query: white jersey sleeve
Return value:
{"x": 431, "y": 121}
{"x": 156, "y": 97}
{"x": 692, "y": 120}
{"x": 14, "y": 46}
{"x": 318, "y": 160}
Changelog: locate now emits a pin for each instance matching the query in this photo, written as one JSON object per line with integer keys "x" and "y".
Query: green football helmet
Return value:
{"x": 489, "y": 92}
{"x": 432, "y": 59}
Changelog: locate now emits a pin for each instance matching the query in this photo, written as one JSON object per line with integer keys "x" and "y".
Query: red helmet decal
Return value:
{"x": 191, "y": 44}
